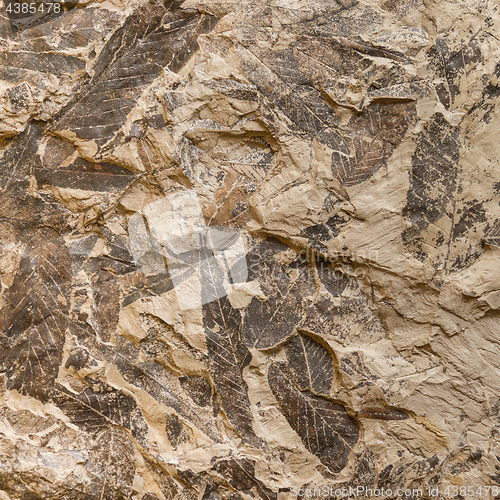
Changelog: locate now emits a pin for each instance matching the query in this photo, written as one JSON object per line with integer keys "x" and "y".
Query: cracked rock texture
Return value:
{"x": 249, "y": 247}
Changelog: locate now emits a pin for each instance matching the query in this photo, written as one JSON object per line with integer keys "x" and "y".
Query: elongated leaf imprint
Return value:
{"x": 309, "y": 364}
{"x": 281, "y": 78}
{"x": 323, "y": 426}
{"x": 99, "y": 407}
{"x": 292, "y": 92}
{"x": 112, "y": 464}
{"x": 153, "y": 38}
{"x": 433, "y": 187}
{"x": 240, "y": 474}
{"x": 148, "y": 376}
{"x": 271, "y": 321}
{"x": 17, "y": 162}
{"x": 61, "y": 166}
{"x": 382, "y": 414}
{"x": 378, "y": 131}
{"x": 227, "y": 358}
{"x": 33, "y": 318}
{"x": 456, "y": 65}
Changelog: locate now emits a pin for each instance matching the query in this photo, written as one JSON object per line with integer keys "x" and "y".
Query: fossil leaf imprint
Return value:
{"x": 324, "y": 427}
{"x": 34, "y": 316}
{"x": 310, "y": 364}
{"x": 378, "y": 131}
{"x": 153, "y": 37}
{"x": 112, "y": 464}
{"x": 269, "y": 322}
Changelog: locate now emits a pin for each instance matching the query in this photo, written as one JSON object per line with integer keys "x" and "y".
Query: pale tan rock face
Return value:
{"x": 249, "y": 250}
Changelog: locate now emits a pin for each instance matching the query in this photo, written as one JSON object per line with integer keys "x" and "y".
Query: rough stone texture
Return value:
{"x": 250, "y": 247}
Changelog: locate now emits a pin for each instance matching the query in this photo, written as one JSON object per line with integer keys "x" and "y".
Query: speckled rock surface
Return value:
{"x": 249, "y": 250}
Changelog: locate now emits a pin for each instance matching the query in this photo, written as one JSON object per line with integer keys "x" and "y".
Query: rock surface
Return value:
{"x": 250, "y": 250}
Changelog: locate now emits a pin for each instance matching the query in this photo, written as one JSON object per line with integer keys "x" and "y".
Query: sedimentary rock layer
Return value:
{"x": 249, "y": 250}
